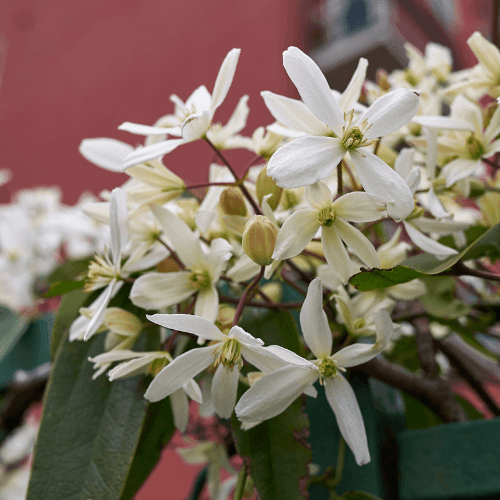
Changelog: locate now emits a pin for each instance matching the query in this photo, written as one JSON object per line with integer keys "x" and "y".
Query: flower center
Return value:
{"x": 200, "y": 280}
{"x": 100, "y": 273}
{"x": 354, "y": 135}
{"x": 326, "y": 217}
{"x": 359, "y": 323}
{"x": 327, "y": 369}
{"x": 475, "y": 147}
{"x": 229, "y": 354}
{"x": 157, "y": 366}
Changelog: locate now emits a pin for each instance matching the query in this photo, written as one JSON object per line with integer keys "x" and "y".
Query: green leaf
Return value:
{"x": 69, "y": 270}
{"x": 62, "y": 287}
{"x": 12, "y": 327}
{"x": 487, "y": 245}
{"x": 68, "y": 312}
{"x": 419, "y": 416}
{"x": 471, "y": 412}
{"x": 89, "y": 430}
{"x": 440, "y": 299}
{"x": 371, "y": 279}
{"x": 278, "y": 454}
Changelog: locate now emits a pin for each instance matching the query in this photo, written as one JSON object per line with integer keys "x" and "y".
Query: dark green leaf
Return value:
{"x": 69, "y": 270}
{"x": 12, "y": 327}
{"x": 62, "y": 287}
{"x": 487, "y": 245}
{"x": 372, "y": 279}
{"x": 471, "y": 412}
{"x": 278, "y": 454}
{"x": 418, "y": 416}
{"x": 89, "y": 431}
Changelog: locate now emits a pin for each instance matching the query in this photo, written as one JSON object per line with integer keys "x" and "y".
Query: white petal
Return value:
{"x": 192, "y": 389}
{"x": 390, "y": 112}
{"x": 463, "y": 109}
{"x": 188, "y": 323}
{"x": 216, "y": 260}
{"x": 459, "y": 169}
{"x": 141, "y": 155}
{"x": 239, "y": 117}
{"x": 443, "y": 122}
{"x": 358, "y": 243}
{"x": 436, "y": 208}
{"x": 157, "y": 290}
{"x": 289, "y": 356}
{"x": 262, "y": 358}
{"x": 335, "y": 253}
{"x": 224, "y": 78}
{"x": 136, "y": 128}
{"x": 487, "y": 53}
{"x": 431, "y": 137}
{"x": 381, "y": 180}
{"x": 343, "y": 402}
{"x": 105, "y": 153}
{"x": 199, "y": 100}
{"x": 179, "y": 371}
{"x": 195, "y": 126}
{"x": 314, "y": 323}
{"x": 351, "y": 94}
{"x": 294, "y": 114}
{"x": 273, "y": 393}
{"x": 244, "y": 337}
{"x": 305, "y": 161}
{"x": 493, "y": 128}
{"x": 131, "y": 368}
{"x": 359, "y": 207}
{"x": 297, "y": 231}
{"x": 318, "y": 195}
{"x": 118, "y": 223}
{"x": 428, "y": 244}
{"x": 313, "y": 88}
{"x": 207, "y": 304}
{"x": 224, "y": 388}
{"x": 407, "y": 291}
{"x": 180, "y": 409}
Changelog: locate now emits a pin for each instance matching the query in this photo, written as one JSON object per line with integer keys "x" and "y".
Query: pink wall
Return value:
{"x": 74, "y": 70}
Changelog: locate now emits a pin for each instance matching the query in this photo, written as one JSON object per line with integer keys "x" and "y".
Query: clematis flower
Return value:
{"x": 273, "y": 393}
{"x": 299, "y": 229}
{"x": 192, "y": 119}
{"x": 307, "y": 160}
{"x": 225, "y": 352}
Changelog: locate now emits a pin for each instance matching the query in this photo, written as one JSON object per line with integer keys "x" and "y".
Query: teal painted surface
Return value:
{"x": 32, "y": 350}
{"x": 456, "y": 460}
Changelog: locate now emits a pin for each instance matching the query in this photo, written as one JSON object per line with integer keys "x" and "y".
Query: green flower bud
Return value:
{"x": 232, "y": 202}
{"x": 259, "y": 238}
{"x": 266, "y": 185}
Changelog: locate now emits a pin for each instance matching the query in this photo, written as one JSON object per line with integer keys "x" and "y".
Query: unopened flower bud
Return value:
{"x": 382, "y": 79}
{"x": 259, "y": 238}
{"x": 232, "y": 202}
{"x": 122, "y": 322}
{"x": 266, "y": 185}
{"x": 225, "y": 318}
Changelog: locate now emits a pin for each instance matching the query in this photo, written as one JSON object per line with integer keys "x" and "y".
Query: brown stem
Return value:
{"x": 461, "y": 269}
{"x": 425, "y": 348}
{"x": 208, "y": 184}
{"x": 242, "y": 187}
{"x": 490, "y": 163}
{"x": 340, "y": 182}
{"x": 264, "y": 305}
{"x": 173, "y": 254}
{"x": 246, "y": 294}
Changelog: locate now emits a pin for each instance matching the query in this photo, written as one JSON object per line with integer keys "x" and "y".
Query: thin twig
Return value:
{"x": 173, "y": 254}
{"x": 461, "y": 269}
{"x": 246, "y": 294}
{"x": 340, "y": 182}
{"x": 264, "y": 305}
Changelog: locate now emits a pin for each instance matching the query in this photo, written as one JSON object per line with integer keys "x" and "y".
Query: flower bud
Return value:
{"x": 232, "y": 202}
{"x": 259, "y": 238}
{"x": 291, "y": 197}
{"x": 266, "y": 185}
{"x": 122, "y": 322}
{"x": 225, "y": 318}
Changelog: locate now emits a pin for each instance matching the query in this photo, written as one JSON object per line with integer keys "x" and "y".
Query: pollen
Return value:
{"x": 200, "y": 280}
{"x": 354, "y": 135}
{"x": 326, "y": 217}
{"x": 229, "y": 354}
{"x": 100, "y": 273}
{"x": 327, "y": 369}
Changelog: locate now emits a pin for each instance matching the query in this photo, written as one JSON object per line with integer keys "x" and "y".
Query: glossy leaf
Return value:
{"x": 69, "y": 270}
{"x": 62, "y": 287}
{"x": 372, "y": 279}
{"x": 440, "y": 300}
{"x": 12, "y": 327}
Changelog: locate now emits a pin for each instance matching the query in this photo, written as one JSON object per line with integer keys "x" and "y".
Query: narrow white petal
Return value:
{"x": 463, "y": 109}
{"x": 118, "y": 223}
{"x": 239, "y": 117}
{"x": 180, "y": 409}
{"x": 141, "y": 155}
{"x": 294, "y": 114}
{"x": 381, "y": 180}
{"x": 493, "y": 128}
{"x": 436, "y": 208}
{"x": 359, "y": 207}
{"x": 224, "y": 78}
{"x": 157, "y": 290}
{"x": 297, "y": 231}
{"x": 314, "y": 323}
{"x": 131, "y": 368}
{"x": 487, "y": 53}
{"x": 428, "y": 244}
{"x": 274, "y": 393}
{"x": 106, "y": 153}
{"x": 443, "y": 122}
{"x": 313, "y": 88}
{"x": 262, "y": 358}
{"x": 199, "y": 100}
{"x": 358, "y": 243}
{"x": 289, "y": 356}
{"x": 431, "y": 137}
{"x": 343, "y": 402}
{"x": 459, "y": 169}
{"x": 224, "y": 388}
{"x": 207, "y": 304}
{"x": 441, "y": 227}
{"x": 136, "y": 128}
{"x": 305, "y": 161}
{"x": 192, "y": 389}
{"x": 196, "y": 125}
{"x": 188, "y": 323}
{"x": 335, "y": 253}
{"x": 351, "y": 94}
{"x": 179, "y": 371}
{"x": 408, "y": 291}
{"x": 318, "y": 195}
{"x": 244, "y": 337}
{"x": 390, "y": 112}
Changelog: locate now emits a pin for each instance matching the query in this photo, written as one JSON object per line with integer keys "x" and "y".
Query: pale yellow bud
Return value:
{"x": 225, "y": 318}
{"x": 232, "y": 202}
{"x": 266, "y": 185}
{"x": 122, "y": 322}
{"x": 259, "y": 238}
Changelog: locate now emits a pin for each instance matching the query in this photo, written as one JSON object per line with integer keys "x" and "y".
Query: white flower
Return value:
{"x": 307, "y": 160}
{"x": 193, "y": 118}
{"x": 273, "y": 393}
{"x": 225, "y": 352}
{"x": 331, "y": 216}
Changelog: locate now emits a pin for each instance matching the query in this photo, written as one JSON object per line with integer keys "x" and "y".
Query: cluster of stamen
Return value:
{"x": 229, "y": 354}
{"x": 475, "y": 147}
{"x": 200, "y": 280}
{"x": 101, "y": 271}
{"x": 157, "y": 366}
{"x": 326, "y": 217}
{"x": 359, "y": 323}
{"x": 354, "y": 135}
{"x": 327, "y": 369}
